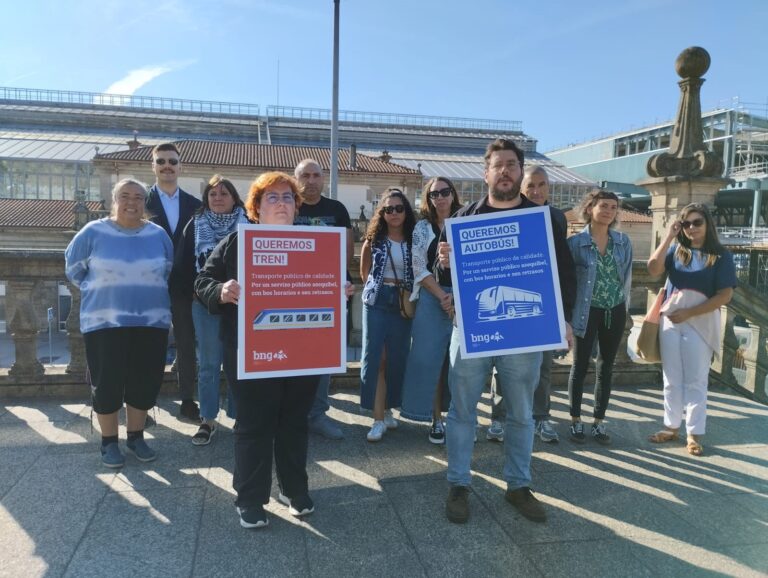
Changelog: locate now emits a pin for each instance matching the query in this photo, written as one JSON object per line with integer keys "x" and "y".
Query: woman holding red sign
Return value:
{"x": 272, "y": 412}
{"x": 385, "y": 264}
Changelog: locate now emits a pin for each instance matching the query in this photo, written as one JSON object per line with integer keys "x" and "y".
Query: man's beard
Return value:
{"x": 509, "y": 195}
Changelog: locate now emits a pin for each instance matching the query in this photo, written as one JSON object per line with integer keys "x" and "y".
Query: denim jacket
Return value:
{"x": 586, "y": 271}
{"x": 379, "y": 255}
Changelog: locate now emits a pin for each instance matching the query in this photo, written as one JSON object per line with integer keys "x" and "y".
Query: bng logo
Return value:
{"x": 486, "y": 337}
{"x": 268, "y": 356}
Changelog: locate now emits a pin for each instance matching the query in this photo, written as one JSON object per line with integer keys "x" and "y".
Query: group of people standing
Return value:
{"x": 416, "y": 364}
{"x": 163, "y": 257}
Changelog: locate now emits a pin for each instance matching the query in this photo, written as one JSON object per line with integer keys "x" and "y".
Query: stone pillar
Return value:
{"x": 670, "y": 194}
{"x": 24, "y": 327}
{"x": 687, "y": 172}
{"x": 77, "y": 363}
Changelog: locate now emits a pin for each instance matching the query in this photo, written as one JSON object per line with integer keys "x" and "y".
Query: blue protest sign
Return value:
{"x": 505, "y": 283}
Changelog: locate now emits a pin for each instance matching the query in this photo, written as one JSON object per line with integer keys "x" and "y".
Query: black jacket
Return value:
{"x": 187, "y": 207}
{"x": 182, "y": 282}
{"x": 220, "y": 267}
{"x": 566, "y": 268}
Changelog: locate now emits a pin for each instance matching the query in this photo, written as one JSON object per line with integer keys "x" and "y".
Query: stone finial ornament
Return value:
{"x": 687, "y": 155}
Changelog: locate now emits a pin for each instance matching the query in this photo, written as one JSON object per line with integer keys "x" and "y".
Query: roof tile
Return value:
{"x": 249, "y": 155}
{"x": 41, "y": 213}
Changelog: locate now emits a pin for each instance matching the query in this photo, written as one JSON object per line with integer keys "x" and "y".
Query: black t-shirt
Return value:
{"x": 565, "y": 265}
{"x": 328, "y": 212}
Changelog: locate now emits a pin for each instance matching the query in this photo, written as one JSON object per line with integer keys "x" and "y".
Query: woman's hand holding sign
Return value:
{"x": 230, "y": 292}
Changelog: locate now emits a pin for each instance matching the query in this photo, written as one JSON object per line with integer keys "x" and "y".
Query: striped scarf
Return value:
{"x": 210, "y": 228}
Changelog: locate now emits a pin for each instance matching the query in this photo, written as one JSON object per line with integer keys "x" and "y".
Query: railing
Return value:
{"x": 359, "y": 117}
{"x": 743, "y": 364}
{"x": 129, "y": 101}
{"x": 743, "y": 235}
{"x": 749, "y": 169}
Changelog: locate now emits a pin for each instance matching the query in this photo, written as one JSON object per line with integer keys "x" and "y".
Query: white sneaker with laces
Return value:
{"x": 378, "y": 429}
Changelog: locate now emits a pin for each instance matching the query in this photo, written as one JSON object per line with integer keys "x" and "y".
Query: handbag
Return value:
{"x": 407, "y": 307}
{"x": 648, "y": 347}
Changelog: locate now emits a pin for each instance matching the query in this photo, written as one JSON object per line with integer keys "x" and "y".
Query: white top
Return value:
{"x": 397, "y": 251}
{"x": 422, "y": 239}
{"x": 171, "y": 207}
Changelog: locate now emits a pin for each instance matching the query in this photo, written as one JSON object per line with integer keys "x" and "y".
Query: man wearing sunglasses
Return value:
{"x": 172, "y": 208}
{"x": 317, "y": 209}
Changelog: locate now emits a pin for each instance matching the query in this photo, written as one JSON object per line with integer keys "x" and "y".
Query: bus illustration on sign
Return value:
{"x": 500, "y": 302}
{"x": 310, "y": 318}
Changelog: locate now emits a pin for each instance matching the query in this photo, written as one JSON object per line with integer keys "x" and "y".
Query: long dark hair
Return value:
{"x": 377, "y": 229}
{"x": 711, "y": 249}
{"x": 427, "y": 210}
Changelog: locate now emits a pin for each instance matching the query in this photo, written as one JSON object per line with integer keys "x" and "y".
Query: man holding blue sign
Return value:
{"x": 514, "y": 280}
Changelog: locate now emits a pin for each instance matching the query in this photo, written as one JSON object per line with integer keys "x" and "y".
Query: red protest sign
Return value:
{"x": 292, "y": 310}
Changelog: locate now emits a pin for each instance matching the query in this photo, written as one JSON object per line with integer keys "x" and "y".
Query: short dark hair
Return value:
{"x": 504, "y": 144}
{"x": 591, "y": 199}
{"x": 227, "y": 184}
{"x": 166, "y": 146}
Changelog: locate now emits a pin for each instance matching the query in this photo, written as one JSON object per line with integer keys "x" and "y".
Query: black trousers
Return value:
{"x": 608, "y": 338}
{"x": 184, "y": 334}
{"x": 271, "y": 421}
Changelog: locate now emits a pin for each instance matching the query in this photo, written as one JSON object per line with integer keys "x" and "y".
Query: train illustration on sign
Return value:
{"x": 500, "y": 302}
{"x": 309, "y": 318}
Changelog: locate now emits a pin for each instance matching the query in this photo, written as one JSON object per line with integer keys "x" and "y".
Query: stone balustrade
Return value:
{"x": 743, "y": 365}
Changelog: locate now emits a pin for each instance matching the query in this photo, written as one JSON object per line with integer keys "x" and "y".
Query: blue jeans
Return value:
{"x": 517, "y": 377}
{"x": 210, "y": 353}
{"x": 384, "y": 329}
{"x": 541, "y": 397}
{"x": 430, "y": 335}
{"x": 321, "y": 405}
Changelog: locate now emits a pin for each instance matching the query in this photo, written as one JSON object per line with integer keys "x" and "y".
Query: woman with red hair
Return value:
{"x": 272, "y": 412}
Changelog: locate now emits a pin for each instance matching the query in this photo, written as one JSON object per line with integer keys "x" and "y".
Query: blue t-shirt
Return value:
{"x": 698, "y": 277}
{"x": 122, "y": 275}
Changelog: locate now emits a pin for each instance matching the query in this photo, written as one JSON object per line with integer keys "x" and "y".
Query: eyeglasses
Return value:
{"x": 695, "y": 223}
{"x": 446, "y": 192}
{"x": 393, "y": 209}
{"x": 172, "y": 162}
{"x": 274, "y": 198}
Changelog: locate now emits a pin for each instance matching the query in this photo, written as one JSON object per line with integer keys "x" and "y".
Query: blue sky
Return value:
{"x": 570, "y": 71}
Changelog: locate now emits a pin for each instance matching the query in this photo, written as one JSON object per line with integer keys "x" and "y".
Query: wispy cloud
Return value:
{"x": 135, "y": 79}
{"x": 139, "y": 77}
{"x": 14, "y": 79}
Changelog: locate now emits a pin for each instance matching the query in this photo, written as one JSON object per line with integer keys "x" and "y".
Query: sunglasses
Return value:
{"x": 172, "y": 162}
{"x": 695, "y": 223}
{"x": 393, "y": 209}
{"x": 446, "y": 192}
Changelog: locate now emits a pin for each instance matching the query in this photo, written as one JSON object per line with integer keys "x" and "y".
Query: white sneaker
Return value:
{"x": 389, "y": 420}
{"x": 378, "y": 429}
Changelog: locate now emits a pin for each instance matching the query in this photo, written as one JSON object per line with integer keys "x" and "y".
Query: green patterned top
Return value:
{"x": 608, "y": 291}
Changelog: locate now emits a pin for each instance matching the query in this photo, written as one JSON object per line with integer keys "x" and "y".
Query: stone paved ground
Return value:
{"x": 633, "y": 509}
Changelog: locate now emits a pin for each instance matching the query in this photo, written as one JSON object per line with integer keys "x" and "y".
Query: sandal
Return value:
{"x": 663, "y": 436}
{"x": 694, "y": 447}
{"x": 204, "y": 434}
